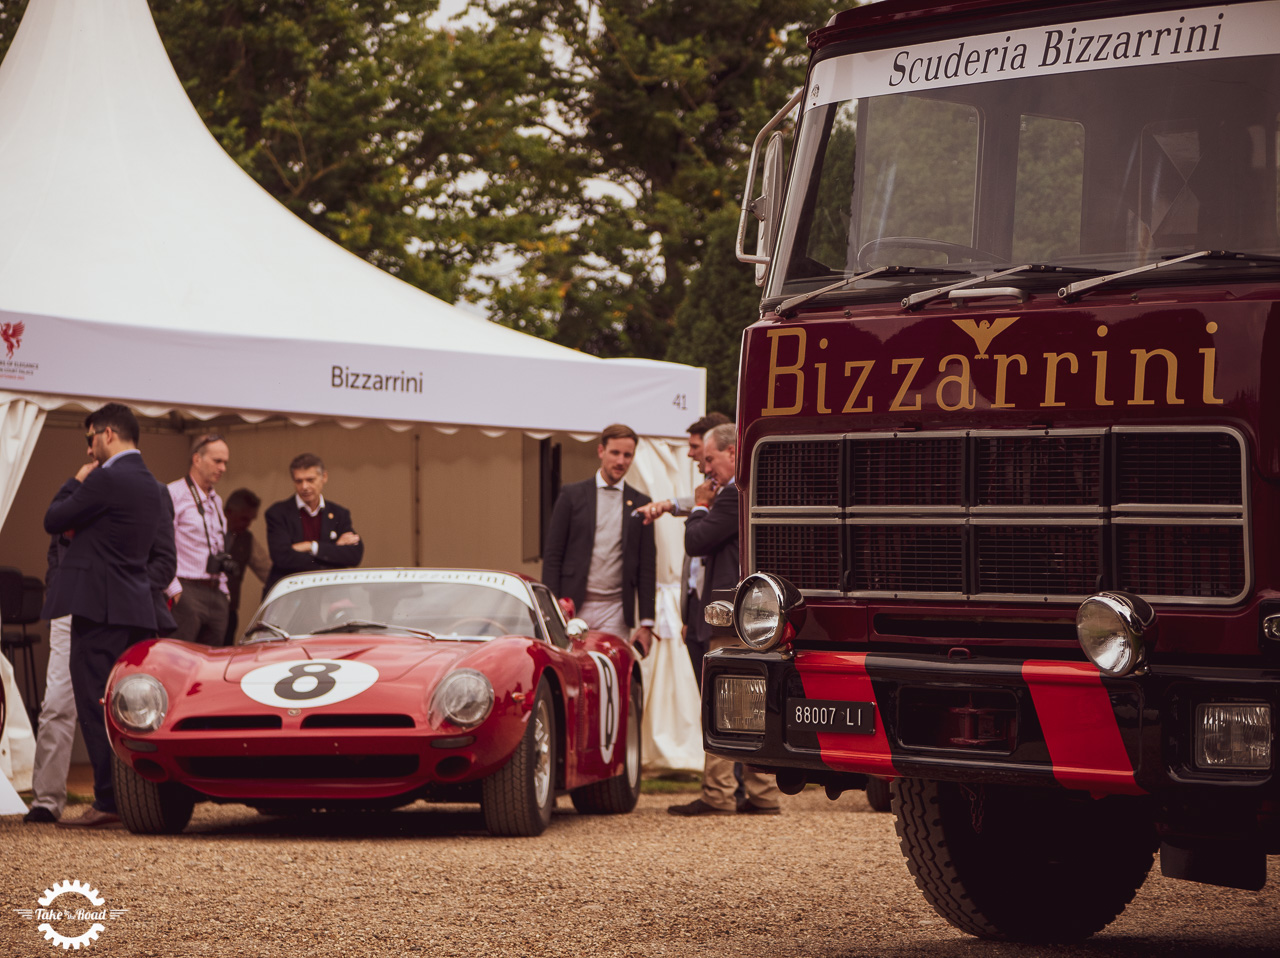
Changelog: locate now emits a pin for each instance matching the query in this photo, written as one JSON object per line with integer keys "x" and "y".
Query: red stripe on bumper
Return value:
{"x": 842, "y": 676}
{"x": 1080, "y": 727}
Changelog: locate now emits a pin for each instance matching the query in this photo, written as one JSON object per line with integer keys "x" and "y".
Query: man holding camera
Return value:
{"x": 201, "y": 600}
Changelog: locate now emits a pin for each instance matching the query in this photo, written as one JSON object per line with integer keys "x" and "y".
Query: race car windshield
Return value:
{"x": 447, "y": 610}
{"x": 1032, "y": 146}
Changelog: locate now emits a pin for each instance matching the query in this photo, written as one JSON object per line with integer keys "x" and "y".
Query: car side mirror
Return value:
{"x": 577, "y": 629}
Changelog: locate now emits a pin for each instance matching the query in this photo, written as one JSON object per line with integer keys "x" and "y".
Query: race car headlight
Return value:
{"x": 139, "y": 702}
{"x": 463, "y": 697}
{"x": 1115, "y": 631}
{"x": 761, "y": 610}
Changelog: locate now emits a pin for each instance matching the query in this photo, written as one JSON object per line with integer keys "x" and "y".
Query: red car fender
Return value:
{"x": 842, "y": 676}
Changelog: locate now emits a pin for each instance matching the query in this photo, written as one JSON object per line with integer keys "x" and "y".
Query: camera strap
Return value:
{"x": 195, "y": 497}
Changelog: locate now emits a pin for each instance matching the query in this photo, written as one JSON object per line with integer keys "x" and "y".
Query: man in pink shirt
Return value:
{"x": 201, "y": 602}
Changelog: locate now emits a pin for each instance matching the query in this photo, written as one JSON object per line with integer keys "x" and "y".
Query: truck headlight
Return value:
{"x": 762, "y": 608}
{"x": 139, "y": 702}
{"x": 1115, "y": 630}
{"x": 1233, "y": 736}
{"x": 739, "y": 703}
{"x": 463, "y": 697}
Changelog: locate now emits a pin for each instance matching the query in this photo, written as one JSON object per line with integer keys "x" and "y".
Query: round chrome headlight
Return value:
{"x": 139, "y": 702}
{"x": 761, "y": 607}
{"x": 464, "y": 697}
{"x": 1112, "y": 630}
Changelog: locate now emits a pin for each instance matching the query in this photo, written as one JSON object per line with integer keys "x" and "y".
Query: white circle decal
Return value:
{"x": 307, "y": 683}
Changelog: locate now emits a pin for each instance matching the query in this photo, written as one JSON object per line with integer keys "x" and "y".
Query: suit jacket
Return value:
{"x": 566, "y": 556}
{"x": 284, "y": 528}
{"x": 713, "y": 535}
{"x": 162, "y": 563}
{"x": 114, "y": 515}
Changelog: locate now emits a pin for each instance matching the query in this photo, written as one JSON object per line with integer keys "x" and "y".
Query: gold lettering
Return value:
{"x": 1100, "y": 380}
{"x": 796, "y": 369}
{"x": 823, "y": 409}
{"x": 1210, "y": 359}
{"x": 968, "y": 397}
{"x": 1051, "y": 375}
{"x": 1002, "y": 370}
{"x": 1140, "y": 377}
{"x": 866, "y": 365}
{"x": 906, "y": 383}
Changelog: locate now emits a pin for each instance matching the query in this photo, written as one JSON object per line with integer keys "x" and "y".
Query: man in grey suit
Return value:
{"x": 112, "y": 511}
{"x": 712, "y": 533}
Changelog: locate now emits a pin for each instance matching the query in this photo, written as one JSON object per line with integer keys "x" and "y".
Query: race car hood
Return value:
{"x": 391, "y": 655}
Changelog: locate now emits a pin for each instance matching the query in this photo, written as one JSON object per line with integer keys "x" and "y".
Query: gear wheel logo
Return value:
{"x": 66, "y": 901}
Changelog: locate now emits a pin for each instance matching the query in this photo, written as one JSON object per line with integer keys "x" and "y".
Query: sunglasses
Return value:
{"x": 97, "y": 432}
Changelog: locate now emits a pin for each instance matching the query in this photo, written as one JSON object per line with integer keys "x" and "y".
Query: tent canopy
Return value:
{"x": 139, "y": 262}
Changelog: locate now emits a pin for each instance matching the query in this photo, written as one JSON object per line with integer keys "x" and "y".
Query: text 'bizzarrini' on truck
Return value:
{"x": 1009, "y": 449}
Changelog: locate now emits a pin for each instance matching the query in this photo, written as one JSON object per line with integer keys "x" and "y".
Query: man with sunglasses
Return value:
{"x": 201, "y": 598}
{"x": 112, "y": 512}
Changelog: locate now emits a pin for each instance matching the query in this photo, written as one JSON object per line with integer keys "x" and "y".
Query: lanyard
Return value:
{"x": 203, "y": 520}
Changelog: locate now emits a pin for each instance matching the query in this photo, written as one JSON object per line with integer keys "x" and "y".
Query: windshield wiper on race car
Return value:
{"x": 1076, "y": 289}
{"x": 359, "y": 625}
{"x": 273, "y": 629}
{"x": 788, "y": 305}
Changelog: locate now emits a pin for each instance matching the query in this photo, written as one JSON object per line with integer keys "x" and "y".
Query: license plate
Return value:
{"x": 814, "y": 715}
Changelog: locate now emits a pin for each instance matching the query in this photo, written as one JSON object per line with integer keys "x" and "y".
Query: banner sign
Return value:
{"x": 142, "y": 364}
{"x": 1170, "y": 36}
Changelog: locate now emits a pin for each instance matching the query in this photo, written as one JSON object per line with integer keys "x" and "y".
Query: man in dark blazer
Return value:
{"x": 307, "y": 532}
{"x": 599, "y": 551}
{"x": 712, "y": 533}
{"x": 112, "y": 511}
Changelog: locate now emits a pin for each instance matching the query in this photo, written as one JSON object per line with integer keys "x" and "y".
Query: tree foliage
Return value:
{"x": 573, "y": 165}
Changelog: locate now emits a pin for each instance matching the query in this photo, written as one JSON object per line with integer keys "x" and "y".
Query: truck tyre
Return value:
{"x": 150, "y": 808}
{"x": 878, "y": 794}
{"x": 617, "y": 795}
{"x": 1022, "y": 864}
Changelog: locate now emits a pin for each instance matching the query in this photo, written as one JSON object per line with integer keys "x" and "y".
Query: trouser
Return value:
{"x": 718, "y": 780}
{"x": 605, "y": 615}
{"x": 57, "y": 730}
{"x": 201, "y": 613}
{"x": 95, "y": 646}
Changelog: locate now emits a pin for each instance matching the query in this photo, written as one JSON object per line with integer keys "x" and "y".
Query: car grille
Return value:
{"x": 320, "y": 767}
{"x": 1049, "y": 515}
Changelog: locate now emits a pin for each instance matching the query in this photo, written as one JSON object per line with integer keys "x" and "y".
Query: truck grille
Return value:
{"x": 1049, "y": 515}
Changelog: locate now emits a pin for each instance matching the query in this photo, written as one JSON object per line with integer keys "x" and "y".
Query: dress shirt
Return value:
{"x": 604, "y": 577}
{"x": 303, "y": 507}
{"x": 189, "y": 529}
{"x": 123, "y": 452}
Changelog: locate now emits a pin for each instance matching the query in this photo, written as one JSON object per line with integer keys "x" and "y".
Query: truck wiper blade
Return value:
{"x": 927, "y": 296}
{"x": 1076, "y": 289}
{"x": 789, "y": 305}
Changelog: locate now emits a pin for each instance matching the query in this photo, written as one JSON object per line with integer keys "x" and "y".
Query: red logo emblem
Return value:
{"x": 11, "y": 333}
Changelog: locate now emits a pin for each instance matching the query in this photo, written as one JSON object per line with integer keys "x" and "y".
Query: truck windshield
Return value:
{"x": 1019, "y": 147}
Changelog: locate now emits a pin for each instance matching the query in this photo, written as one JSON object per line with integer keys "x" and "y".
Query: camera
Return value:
{"x": 220, "y": 563}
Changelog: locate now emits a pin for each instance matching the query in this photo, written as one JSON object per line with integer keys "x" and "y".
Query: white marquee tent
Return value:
{"x": 139, "y": 263}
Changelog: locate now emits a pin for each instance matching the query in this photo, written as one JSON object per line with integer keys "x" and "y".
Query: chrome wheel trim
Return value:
{"x": 542, "y": 753}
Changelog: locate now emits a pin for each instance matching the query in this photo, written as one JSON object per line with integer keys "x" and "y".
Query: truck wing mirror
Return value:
{"x": 766, "y": 208}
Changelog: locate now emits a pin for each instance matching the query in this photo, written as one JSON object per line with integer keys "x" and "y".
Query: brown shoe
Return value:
{"x": 93, "y": 818}
{"x": 697, "y": 807}
{"x": 750, "y": 808}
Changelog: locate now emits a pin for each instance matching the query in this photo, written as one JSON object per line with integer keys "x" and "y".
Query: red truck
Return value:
{"x": 1009, "y": 448}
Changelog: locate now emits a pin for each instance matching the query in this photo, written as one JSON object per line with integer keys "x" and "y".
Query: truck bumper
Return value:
{"x": 996, "y": 720}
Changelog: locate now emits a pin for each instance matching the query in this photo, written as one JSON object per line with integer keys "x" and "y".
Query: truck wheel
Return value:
{"x": 1022, "y": 864}
{"x": 518, "y": 798}
{"x": 150, "y": 808}
{"x": 878, "y": 794}
{"x": 617, "y": 795}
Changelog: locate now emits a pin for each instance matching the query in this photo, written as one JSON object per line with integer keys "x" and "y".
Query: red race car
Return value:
{"x": 372, "y": 688}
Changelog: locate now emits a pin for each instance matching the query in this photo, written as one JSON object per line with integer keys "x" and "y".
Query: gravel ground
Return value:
{"x": 824, "y": 879}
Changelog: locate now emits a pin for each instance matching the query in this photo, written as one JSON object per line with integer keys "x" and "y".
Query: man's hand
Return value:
{"x": 84, "y": 470}
{"x": 643, "y": 638}
{"x": 348, "y": 539}
{"x": 652, "y": 510}
{"x": 302, "y": 546}
{"x": 705, "y": 493}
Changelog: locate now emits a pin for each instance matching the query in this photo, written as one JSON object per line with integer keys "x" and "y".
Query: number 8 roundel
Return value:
{"x": 307, "y": 683}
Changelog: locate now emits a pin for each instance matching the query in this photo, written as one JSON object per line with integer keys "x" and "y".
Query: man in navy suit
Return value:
{"x": 307, "y": 532}
{"x": 113, "y": 512}
{"x": 599, "y": 551}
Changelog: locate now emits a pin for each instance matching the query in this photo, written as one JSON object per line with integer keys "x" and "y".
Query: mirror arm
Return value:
{"x": 752, "y": 165}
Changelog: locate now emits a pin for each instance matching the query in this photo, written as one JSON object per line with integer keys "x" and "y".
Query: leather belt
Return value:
{"x": 202, "y": 583}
